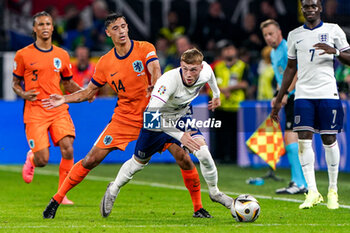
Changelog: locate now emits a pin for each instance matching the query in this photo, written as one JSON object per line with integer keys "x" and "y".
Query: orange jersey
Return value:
{"x": 129, "y": 78}
{"x": 42, "y": 70}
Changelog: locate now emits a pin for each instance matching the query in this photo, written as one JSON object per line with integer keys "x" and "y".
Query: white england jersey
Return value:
{"x": 175, "y": 96}
{"x": 316, "y": 78}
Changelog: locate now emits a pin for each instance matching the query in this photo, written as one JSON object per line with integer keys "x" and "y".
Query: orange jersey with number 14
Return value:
{"x": 129, "y": 78}
{"x": 42, "y": 70}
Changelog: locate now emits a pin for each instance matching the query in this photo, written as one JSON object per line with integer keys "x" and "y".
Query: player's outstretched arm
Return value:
{"x": 214, "y": 103}
{"x": 54, "y": 101}
{"x": 288, "y": 77}
{"x": 71, "y": 86}
{"x": 154, "y": 69}
{"x": 76, "y": 97}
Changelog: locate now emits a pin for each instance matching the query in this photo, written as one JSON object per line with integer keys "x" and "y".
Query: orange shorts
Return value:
{"x": 117, "y": 135}
{"x": 59, "y": 127}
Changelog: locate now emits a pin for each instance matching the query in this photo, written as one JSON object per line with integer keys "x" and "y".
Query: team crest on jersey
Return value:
{"x": 107, "y": 140}
{"x": 57, "y": 63}
{"x": 31, "y": 143}
{"x": 138, "y": 66}
{"x": 323, "y": 38}
{"x": 162, "y": 90}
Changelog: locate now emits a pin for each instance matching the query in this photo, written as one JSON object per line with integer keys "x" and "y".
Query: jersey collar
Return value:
{"x": 44, "y": 51}
{"x": 319, "y": 25}
{"x": 126, "y": 55}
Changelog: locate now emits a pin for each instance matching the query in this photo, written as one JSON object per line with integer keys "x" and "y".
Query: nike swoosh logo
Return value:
{"x": 113, "y": 74}
{"x": 333, "y": 126}
{"x": 299, "y": 41}
{"x": 333, "y": 165}
{"x": 33, "y": 63}
{"x": 177, "y": 97}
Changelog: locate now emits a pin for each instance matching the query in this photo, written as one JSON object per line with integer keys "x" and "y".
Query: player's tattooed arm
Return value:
{"x": 76, "y": 97}
{"x": 71, "y": 86}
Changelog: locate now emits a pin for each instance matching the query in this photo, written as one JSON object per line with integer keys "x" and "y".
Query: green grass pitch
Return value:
{"x": 157, "y": 201}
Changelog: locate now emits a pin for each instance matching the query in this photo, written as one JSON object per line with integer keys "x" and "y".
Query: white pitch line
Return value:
{"x": 234, "y": 224}
{"x": 158, "y": 185}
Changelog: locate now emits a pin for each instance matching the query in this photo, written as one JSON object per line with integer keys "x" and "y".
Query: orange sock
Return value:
{"x": 74, "y": 177}
{"x": 193, "y": 184}
{"x": 65, "y": 166}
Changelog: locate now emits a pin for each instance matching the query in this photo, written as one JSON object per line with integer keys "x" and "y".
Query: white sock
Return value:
{"x": 208, "y": 169}
{"x": 125, "y": 174}
{"x": 332, "y": 158}
{"x": 307, "y": 161}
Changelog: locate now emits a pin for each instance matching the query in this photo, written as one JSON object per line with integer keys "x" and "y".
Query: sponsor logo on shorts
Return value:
{"x": 31, "y": 143}
{"x": 107, "y": 140}
{"x": 141, "y": 154}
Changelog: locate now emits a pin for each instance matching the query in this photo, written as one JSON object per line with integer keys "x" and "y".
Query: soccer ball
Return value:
{"x": 245, "y": 208}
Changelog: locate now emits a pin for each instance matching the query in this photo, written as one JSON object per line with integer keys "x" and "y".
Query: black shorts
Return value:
{"x": 289, "y": 111}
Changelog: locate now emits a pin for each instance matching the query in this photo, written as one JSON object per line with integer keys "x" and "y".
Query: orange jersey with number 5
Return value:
{"x": 42, "y": 70}
{"x": 129, "y": 78}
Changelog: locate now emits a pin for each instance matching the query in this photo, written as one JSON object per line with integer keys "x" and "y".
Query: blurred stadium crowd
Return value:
{"x": 79, "y": 28}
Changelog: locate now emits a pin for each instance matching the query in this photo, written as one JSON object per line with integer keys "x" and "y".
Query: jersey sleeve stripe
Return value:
{"x": 150, "y": 60}
{"x": 67, "y": 78}
{"x": 17, "y": 76}
{"x": 343, "y": 49}
{"x": 96, "y": 83}
{"x": 159, "y": 98}
{"x": 292, "y": 57}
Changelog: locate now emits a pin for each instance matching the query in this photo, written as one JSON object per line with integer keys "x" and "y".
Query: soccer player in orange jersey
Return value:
{"x": 129, "y": 68}
{"x": 41, "y": 67}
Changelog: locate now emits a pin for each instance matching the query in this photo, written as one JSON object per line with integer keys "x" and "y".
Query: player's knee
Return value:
{"x": 41, "y": 161}
{"x": 183, "y": 159}
{"x": 204, "y": 156}
{"x": 90, "y": 162}
{"x": 67, "y": 152}
{"x": 328, "y": 139}
{"x": 185, "y": 162}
